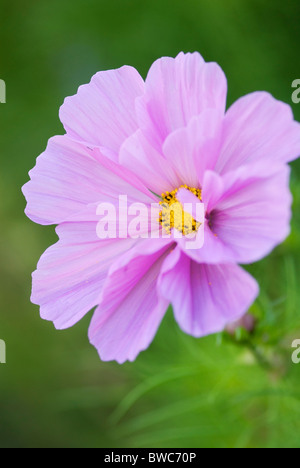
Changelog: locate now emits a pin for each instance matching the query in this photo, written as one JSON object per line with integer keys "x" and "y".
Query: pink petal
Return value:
{"x": 249, "y": 214}
{"x": 70, "y": 274}
{"x": 205, "y": 298}
{"x": 130, "y": 310}
{"x": 195, "y": 148}
{"x": 140, "y": 157}
{"x": 258, "y": 128}
{"x": 102, "y": 113}
{"x": 212, "y": 250}
{"x": 177, "y": 90}
{"x": 68, "y": 176}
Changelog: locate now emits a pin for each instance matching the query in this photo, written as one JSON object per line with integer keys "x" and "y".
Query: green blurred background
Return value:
{"x": 182, "y": 392}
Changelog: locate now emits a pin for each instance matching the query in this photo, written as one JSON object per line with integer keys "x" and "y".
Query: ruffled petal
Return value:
{"x": 102, "y": 113}
{"x": 205, "y": 298}
{"x": 68, "y": 176}
{"x": 141, "y": 158}
{"x": 258, "y": 128}
{"x": 177, "y": 90}
{"x": 130, "y": 309}
{"x": 249, "y": 214}
{"x": 195, "y": 148}
{"x": 70, "y": 274}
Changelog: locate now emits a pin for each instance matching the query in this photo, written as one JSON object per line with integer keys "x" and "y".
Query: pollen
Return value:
{"x": 172, "y": 214}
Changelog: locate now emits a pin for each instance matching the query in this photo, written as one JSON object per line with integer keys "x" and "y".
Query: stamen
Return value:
{"x": 172, "y": 214}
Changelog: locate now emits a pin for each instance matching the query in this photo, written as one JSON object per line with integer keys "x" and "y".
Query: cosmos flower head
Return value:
{"x": 166, "y": 140}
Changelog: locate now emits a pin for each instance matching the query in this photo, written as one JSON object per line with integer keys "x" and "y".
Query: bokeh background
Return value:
{"x": 183, "y": 392}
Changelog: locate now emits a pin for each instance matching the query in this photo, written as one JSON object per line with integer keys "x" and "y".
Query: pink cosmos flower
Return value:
{"x": 127, "y": 136}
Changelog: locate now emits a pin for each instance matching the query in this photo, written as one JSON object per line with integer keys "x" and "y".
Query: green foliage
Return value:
{"x": 220, "y": 391}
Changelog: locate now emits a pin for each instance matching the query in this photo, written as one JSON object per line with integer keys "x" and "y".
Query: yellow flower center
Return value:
{"x": 172, "y": 214}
